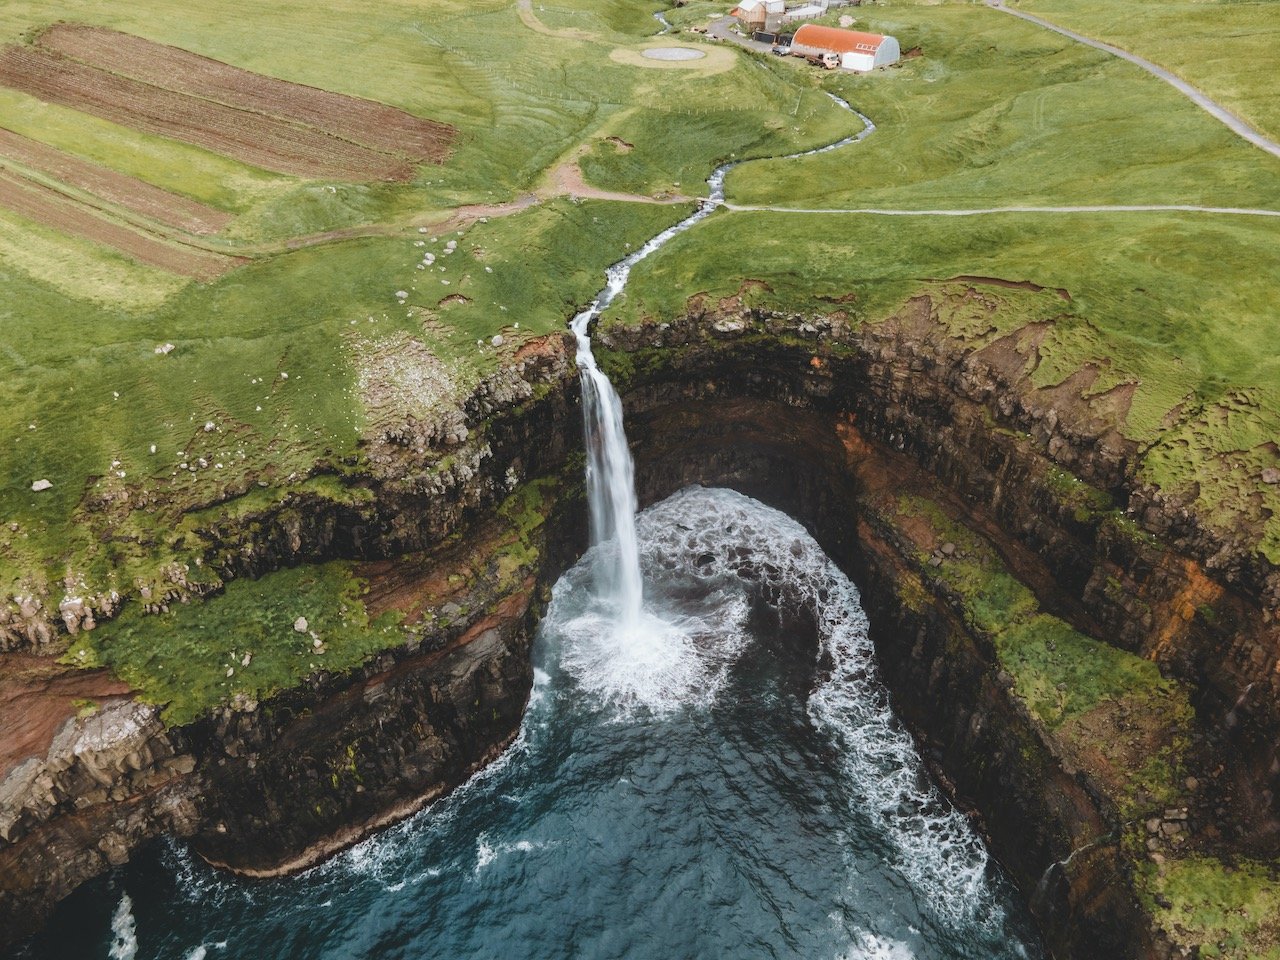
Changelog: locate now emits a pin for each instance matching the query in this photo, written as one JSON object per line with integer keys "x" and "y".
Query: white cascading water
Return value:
{"x": 610, "y": 488}
{"x": 610, "y": 472}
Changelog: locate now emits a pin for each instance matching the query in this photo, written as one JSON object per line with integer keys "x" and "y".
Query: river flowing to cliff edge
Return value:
{"x": 610, "y": 473}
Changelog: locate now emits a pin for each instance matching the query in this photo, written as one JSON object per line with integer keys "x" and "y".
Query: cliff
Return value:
{"x": 1023, "y": 591}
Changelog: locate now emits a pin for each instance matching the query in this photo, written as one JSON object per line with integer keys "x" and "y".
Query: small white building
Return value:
{"x": 857, "y": 50}
{"x": 758, "y": 14}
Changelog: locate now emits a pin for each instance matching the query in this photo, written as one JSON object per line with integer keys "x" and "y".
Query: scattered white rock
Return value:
{"x": 498, "y": 340}
{"x": 422, "y": 229}
{"x": 41, "y": 485}
{"x": 488, "y": 269}
{"x": 165, "y": 348}
{"x": 300, "y": 624}
{"x": 451, "y": 245}
{"x": 246, "y": 659}
{"x": 402, "y": 294}
{"x": 283, "y": 375}
{"x": 315, "y": 642}
{"x": 153, "y": 448}
{"x": 231, "y": 671}
{"x": 209, "y": 426}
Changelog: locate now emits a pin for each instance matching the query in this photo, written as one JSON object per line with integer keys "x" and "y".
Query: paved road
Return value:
{"x": 1199, "y": 99}
{"x": 984, "y": 211}
{"x": 722, "y": 30}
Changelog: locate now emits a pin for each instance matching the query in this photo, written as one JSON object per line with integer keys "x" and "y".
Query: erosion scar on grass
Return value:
{"x": 272, "y": 124}
{"x": 137, "y": 196}
{"x": 45, "y": 206}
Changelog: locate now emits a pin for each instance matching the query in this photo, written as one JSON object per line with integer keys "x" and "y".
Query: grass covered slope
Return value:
{"x": 1230, "y": 49}
{"x": 997, "y": 111}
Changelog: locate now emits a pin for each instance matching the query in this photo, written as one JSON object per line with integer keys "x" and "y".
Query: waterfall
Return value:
{"x": 611, "y": 493}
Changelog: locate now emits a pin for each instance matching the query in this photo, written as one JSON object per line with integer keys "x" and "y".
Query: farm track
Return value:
{"x": 991, "y": 211}
{"x": 263, "y": 141}
{"x": 49, "y": 208}
{"x": 136, "y": 196}
{"x": 367, "y": 123}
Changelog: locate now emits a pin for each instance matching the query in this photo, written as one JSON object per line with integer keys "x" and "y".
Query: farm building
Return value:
{"x": 858, "y": 51}
{"x": 759, "y": 14}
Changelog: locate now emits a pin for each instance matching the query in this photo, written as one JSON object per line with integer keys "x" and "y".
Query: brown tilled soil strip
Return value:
{"x": 135, "y": 195}
{"x": 263, "y": 141}
{"x": 376, "y": 125}
{"x": 50, "y": 208}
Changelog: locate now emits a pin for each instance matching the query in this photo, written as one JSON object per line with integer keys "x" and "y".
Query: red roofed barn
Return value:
{"x": 858, "y": 51}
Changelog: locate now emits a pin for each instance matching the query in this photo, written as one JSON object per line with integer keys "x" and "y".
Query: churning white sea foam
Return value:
{"x": 868, "y": 946}
{"x": 124, "y": 937}
{"x": 710, "y": 536}
{"x": 666, "y": 660}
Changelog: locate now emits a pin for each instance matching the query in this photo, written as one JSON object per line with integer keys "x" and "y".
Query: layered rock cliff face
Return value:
{"x": 835, "y": 424}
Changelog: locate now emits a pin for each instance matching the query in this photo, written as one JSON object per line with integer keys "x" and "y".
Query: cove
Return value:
{"x": 746, "y": 794}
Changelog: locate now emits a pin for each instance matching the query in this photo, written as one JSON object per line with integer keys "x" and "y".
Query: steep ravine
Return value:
{"x": 921, "y": 466}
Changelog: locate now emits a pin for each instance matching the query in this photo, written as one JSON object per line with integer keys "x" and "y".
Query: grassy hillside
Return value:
{"x": 1230, "y": 49}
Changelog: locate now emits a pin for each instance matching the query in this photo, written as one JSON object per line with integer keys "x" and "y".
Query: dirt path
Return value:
{"x": 986, "y": 211}
{"x": 1214, "y": 109}
{"x": 524, "y": 8}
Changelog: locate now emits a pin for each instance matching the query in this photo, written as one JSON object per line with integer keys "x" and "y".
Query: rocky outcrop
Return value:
{"x": 265, "y": 788}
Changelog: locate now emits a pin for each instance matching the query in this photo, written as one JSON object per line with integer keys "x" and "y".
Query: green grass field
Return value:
{"x": 1044, "y": 121}
{"x": 1230, "y": 49}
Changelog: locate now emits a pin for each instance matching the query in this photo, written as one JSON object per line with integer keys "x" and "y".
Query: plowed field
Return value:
{"x": 135, "y": 195}
{"x": 375, "y": 125}
{"x": 268, "y": 123}
{"x": 49, "y": 208}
